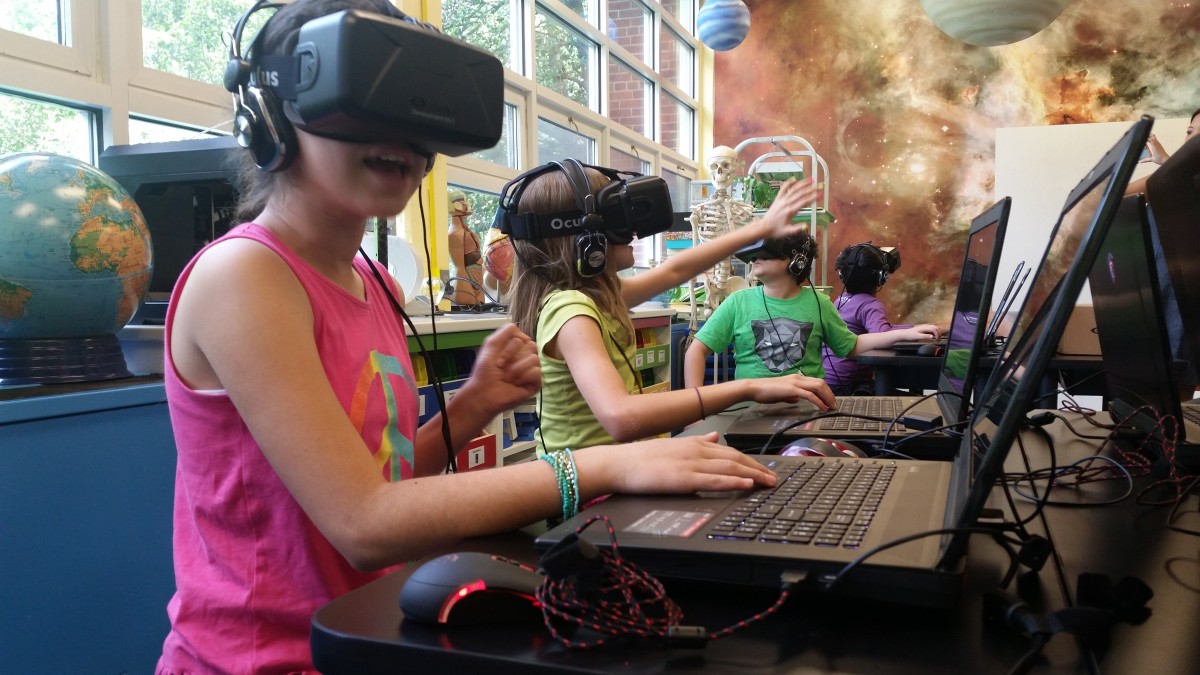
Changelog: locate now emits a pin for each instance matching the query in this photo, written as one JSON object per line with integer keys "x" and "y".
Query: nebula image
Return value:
{"x": 905, "y": 116}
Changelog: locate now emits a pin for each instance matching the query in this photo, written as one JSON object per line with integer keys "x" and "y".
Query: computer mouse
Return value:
{"x": 470, "y": 588}
{"x": 929, "y": 350}
{"x": 821, "y": 447}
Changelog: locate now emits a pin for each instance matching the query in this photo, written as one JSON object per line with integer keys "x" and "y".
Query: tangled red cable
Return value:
{"x": 593, "y": 588}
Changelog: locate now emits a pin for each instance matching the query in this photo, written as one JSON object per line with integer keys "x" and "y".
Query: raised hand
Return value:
{"x": 793, "y": 196}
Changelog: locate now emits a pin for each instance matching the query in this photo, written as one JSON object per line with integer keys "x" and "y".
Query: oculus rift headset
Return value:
{"x": 800, "y": 259}
{"x": 866, "y": 264}
{"x": 362, "y": 77}
{"x": 630, "y": 205}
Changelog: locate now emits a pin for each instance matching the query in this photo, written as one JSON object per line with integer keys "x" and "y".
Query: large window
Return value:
{"x": 611, "y": 82}
{"x": 30, "y": 125}
{"x": 630, "y": 25}
{"x": 565, "y": 59}
{"x": 487, "y": 24}
{"x": 191, "y": 39}
{"x": 629, "y": 97}
{"x": 41, "y": 19}
{"x": 556, "y": 142}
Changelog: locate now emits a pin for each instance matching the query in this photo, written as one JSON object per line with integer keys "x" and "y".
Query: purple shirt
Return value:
{"x": 863, "y": 313}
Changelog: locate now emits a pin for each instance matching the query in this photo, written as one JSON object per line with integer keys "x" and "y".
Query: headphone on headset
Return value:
{"x": 802, "y": 259}
{"x": 866, "y": 264}
{"x": 260, "y": 123}
{"x": 591, "y": 245}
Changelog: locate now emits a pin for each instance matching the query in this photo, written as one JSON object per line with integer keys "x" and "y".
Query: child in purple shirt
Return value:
{"x": 864, "y": 269}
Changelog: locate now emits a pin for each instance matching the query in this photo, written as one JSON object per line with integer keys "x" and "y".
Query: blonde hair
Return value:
{"x": 545, "y": 266}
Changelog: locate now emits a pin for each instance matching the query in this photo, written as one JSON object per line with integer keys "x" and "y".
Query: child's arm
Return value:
{"x": 693, "y": 363}
{"x": 776, "y": 223}
{"x": 628, "y": 417}
{"x": 869, "y": 341}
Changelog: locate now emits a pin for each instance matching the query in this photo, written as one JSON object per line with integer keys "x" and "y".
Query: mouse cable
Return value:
{"x": 594, "y": 588}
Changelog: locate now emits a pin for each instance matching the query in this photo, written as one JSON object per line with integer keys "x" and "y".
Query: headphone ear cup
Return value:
{"x": 260, "y": 127}
{"x": 591, "y": 253}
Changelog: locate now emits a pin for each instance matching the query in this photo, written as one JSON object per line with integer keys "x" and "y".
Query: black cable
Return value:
{"x": 434, "y": 380}
{"x": 831, "y": 582}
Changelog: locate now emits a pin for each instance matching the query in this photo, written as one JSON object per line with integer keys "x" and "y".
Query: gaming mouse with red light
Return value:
{"x": 821, "y": 447}
{"x": 469, "y": 588}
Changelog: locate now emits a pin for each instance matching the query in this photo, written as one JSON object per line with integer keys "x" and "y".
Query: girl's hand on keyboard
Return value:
{"x": 792, "y": 389}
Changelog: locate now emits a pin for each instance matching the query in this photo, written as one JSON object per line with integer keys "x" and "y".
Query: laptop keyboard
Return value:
{"x": 874, "y": 406}
{"x": 816, "y": 502}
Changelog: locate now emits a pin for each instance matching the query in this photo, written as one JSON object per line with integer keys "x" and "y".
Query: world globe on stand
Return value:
{"x": 75, "y": 263}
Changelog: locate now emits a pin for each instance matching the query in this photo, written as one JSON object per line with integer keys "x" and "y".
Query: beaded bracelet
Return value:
{"x": 563, "y": 463}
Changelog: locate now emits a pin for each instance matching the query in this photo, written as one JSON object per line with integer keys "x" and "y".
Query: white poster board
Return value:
{"x": 1038, "y": 167}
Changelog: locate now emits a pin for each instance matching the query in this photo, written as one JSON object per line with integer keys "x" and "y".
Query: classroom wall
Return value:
{"x": 907, "y": 117}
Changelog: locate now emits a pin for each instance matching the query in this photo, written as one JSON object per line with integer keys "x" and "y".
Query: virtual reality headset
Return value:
{"x": 630, "y": 205}
{"x": 891, "y": 257}
{"x": 762, "y": 248}
{"x": 367, "y": 78}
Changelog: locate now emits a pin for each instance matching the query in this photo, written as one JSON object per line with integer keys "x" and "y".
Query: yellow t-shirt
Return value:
{"x": 566, "y": 419}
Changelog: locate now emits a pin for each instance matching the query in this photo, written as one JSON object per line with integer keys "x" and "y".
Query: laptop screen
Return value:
{"x": 970, "y": 317}
{"x": 1173, "y": 191}
{"x": 1034, "y": 335}
{"x": 1133, "y": 340}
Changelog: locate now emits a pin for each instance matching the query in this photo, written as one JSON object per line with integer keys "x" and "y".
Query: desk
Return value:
{"x": 364, "y": 631}
{"x": 919, "y": 373}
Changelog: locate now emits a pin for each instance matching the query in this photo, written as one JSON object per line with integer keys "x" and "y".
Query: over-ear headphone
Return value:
{"x": 802, "y": 259}
{"x": 258, "y": 124}
{"x": 261, "y": 123}
{"x": 866, "y": 264}
{"x": 591, "y": 245}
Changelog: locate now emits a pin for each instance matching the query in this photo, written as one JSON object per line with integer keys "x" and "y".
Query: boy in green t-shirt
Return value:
{"x": 778, "y": 328}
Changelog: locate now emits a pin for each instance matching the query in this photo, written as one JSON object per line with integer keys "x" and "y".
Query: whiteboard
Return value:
{"x": 1038, "y": 167}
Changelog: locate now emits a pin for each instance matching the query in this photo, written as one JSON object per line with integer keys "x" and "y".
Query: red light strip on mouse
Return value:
{"x": 462, "y": 592}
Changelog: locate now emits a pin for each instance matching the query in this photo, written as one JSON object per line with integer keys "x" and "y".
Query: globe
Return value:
{"x": 75, "y": 262}
{"x": 498, "y": 255}
{"x": 723, "y": 24}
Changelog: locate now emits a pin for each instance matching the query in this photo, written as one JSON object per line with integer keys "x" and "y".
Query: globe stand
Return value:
{"x": 62, "y": 360}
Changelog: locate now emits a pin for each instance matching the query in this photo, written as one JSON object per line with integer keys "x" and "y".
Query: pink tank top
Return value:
{"x": 250, "y": 567}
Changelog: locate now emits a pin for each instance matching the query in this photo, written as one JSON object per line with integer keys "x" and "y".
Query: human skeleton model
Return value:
{"x": 715, "y": 216}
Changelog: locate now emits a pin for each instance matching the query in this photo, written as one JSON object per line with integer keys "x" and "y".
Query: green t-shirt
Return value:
{"x": 565, "y": 418}
{"x": 777, "y": 336}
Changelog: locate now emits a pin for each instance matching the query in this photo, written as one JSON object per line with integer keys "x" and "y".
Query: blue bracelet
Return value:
{"x": 567, "y": 478}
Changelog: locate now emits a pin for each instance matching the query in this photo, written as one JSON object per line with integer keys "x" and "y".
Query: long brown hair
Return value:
{"x": 548, "y": 265}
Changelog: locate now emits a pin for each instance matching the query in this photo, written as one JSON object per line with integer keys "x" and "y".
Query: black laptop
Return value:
{"x": 1141, "y": 375}
{"x": 733, "y": 538}
{"x": 775, "y": 424}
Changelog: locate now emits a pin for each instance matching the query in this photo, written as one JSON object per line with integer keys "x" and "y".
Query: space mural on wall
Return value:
{"x": 905, "y": 116}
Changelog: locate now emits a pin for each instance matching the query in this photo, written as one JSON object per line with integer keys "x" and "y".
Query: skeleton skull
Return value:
{"x": 722, "y": 163}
